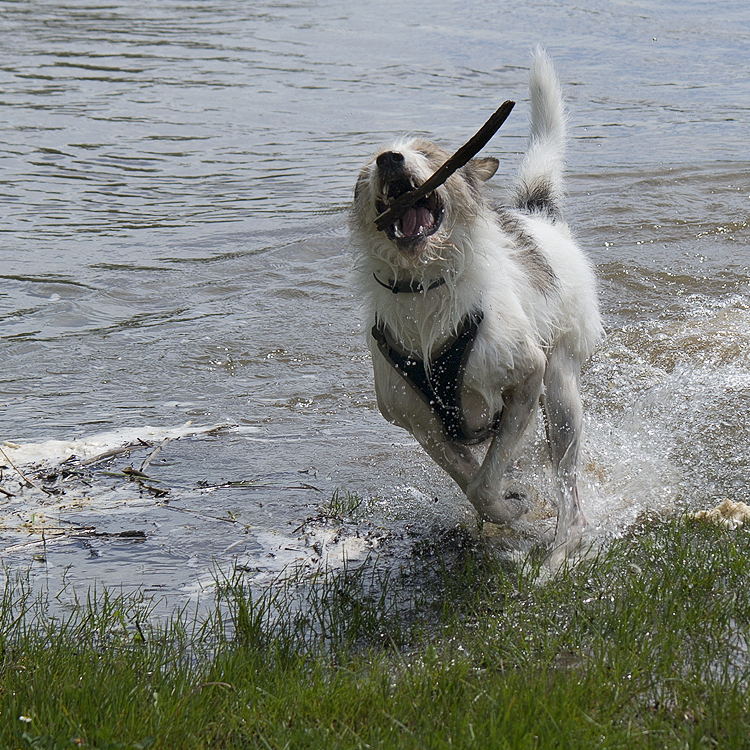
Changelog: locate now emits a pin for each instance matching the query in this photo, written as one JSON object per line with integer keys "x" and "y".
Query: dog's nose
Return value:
{"x": 390, "y": 161}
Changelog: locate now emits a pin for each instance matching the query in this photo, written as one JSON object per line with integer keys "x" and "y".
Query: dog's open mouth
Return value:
{"x": 419, "y": 221}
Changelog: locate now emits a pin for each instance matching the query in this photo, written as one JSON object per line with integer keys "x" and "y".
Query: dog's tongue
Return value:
{"x": 415, "y": 220}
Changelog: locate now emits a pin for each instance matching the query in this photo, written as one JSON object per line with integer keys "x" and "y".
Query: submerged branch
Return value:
{"x": 26, "y": 480}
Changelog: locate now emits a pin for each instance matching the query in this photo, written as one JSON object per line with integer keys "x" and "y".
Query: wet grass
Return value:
{"x": 642, "y": 646}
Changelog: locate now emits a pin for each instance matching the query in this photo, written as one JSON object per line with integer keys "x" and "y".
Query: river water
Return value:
{"x": 173, "y": 258}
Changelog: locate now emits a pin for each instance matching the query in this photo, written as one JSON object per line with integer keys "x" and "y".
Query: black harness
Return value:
{"x": 441, "y": 390}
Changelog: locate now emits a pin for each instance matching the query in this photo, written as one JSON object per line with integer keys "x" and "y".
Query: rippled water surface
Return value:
{"x": 175, "y": 178}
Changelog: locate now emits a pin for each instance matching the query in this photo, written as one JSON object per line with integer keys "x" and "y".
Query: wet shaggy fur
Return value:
{"x": 521, "y": 267}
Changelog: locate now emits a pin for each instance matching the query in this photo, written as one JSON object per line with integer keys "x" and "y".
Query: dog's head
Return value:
{"x": 425, "y": 229}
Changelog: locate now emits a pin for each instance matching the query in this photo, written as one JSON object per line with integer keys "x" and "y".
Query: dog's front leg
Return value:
{"x": 485, "y": 491}
{"x": 457, "y": 460}
{"x": 399, "y": 404}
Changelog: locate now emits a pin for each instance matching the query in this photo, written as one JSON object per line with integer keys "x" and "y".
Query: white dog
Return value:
{"x": 478, "y": 312}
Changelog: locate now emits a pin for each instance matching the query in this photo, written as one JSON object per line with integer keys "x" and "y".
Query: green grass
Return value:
{"x": 642, "y": 646}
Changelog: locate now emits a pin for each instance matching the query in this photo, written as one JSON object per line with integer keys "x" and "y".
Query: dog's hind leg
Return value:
{"x": 562, "y": 408}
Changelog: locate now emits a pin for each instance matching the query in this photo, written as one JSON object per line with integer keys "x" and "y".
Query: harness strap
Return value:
{"x": 441, "y": 390}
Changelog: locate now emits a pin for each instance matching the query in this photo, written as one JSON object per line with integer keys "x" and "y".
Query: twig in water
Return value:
{"x": 114, "y": 452}
{"x": 131, "y": 473}
{"x": 152, "y": 455}
{"x": 248, "y": 484}
{"x": 24, "y": 477}
{"x": 470, "y": 149}
{"x": 135, "y": 534}
{"x": 136, "y": 475}
{"x": 37, "y": 543}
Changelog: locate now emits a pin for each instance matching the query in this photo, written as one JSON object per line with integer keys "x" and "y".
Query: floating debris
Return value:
{"x": 727, "y": 512}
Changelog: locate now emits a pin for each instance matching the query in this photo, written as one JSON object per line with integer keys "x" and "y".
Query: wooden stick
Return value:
{"x": 114, "y": 452}
{"x": 469, "y": 150}
{"x": 152, "y": 455}
{"x": 26, "y": 480}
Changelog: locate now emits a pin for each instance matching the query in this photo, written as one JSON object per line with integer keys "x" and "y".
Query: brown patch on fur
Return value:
{"x": 531, "y": 257}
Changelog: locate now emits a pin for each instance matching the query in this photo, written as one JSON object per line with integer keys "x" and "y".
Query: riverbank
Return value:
{"x": 643, "y": 644}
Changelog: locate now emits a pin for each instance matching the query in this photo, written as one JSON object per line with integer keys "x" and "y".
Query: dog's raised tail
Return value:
{"x": 540, "y": 187}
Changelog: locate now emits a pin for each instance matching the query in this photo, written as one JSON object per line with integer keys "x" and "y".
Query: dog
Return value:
{"x": 477, "y": 312}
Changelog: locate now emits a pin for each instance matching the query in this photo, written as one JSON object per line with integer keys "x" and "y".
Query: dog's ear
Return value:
{"x": 483, "y": 168}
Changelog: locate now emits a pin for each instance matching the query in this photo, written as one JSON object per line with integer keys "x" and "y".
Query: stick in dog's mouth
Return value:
{"x": 419, "y": 220}
{"x": 424, "y": 214}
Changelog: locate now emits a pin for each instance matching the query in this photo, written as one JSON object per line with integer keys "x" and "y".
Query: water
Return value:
{"x": 172, "y": 250}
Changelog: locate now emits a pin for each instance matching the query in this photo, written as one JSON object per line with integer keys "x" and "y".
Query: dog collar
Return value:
{"x": 410, "y": 286}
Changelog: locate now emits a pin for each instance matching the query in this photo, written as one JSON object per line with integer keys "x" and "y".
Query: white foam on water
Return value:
{"x": 51, "y": 453}
{"x": 312, "y": 550}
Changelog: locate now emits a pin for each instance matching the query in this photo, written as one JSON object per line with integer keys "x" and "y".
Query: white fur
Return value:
{"x": 536, "y": 332}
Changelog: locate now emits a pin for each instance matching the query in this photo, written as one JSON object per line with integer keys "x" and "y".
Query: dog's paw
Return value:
{"x": 568, "y": 538}
{"x": 497, "y": 506}
{"x": 570, "y": 535}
